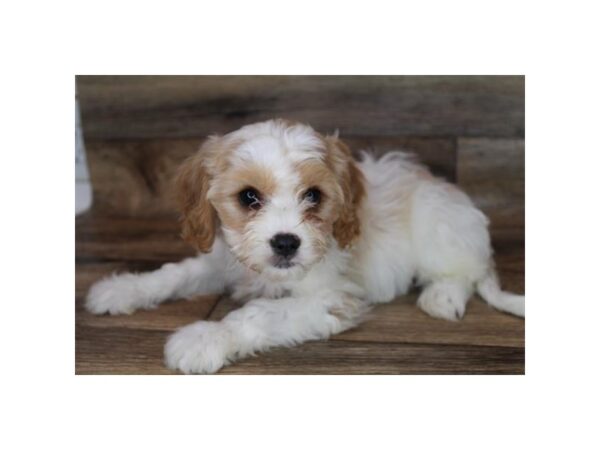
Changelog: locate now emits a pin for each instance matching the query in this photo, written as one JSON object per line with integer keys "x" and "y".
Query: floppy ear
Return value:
{"x": 199, "y": 218}
{"x": 351, "y": 180}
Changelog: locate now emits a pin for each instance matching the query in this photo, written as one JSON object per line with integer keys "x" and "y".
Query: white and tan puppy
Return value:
{"x": 287, "y": 221}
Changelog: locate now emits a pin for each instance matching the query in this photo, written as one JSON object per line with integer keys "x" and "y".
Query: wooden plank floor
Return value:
{"x": 396, "y": 339}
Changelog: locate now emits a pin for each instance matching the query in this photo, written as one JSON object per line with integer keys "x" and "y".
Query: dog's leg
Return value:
{"x": 452, "y": 249}
{"x": 205, "y": 347}
{"x": 446, "y": 298}
{"x": 124, "y": 293}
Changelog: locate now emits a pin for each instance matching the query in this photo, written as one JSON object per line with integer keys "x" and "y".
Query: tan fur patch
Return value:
{"x": 199, "y": 219}
{"x": 316, "y": 174}
{"x": 258, "y": 177}
{"x": 347, "y": 227}
{"x": 227, "y": 187}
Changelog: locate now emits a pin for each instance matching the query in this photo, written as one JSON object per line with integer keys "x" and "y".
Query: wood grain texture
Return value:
{"x": 104, "y": 238}
{"x": 125, "y": 351}
{"x": 119, "y": 351}
{"x": 361, "y": 358}
{"x": 136, "y": 177}
{"x": 134, "y": 107}
{"x": 492, "y": 172}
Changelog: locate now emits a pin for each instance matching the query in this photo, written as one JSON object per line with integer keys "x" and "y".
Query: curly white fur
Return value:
{"x": 413, "y": 227}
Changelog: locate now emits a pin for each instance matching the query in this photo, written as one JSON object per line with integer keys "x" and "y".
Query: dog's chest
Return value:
{"x": 328, "y": 275}
{"x": 255, "y": 287}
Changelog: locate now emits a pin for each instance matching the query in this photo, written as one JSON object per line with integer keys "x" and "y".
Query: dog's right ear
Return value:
{"x": 199, "y": 217}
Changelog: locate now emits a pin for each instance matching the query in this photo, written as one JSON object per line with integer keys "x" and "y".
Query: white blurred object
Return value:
{"x": 83, "y": 187}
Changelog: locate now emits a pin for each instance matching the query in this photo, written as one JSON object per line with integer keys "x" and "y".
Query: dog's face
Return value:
{"x": 281, "y": 193}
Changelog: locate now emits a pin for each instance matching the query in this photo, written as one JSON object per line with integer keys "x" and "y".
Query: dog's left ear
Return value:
{"x": 351, "y": 181}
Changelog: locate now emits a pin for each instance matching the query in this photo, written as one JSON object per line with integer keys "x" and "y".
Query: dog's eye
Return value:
{"x": 250, "y": 198}
{"x": 313, "y": 195}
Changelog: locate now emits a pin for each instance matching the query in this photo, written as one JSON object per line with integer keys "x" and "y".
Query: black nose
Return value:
{"x": 285, "y": 244}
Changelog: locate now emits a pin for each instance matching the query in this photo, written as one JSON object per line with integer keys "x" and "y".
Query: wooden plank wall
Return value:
{"x": 190, "y": 106}
{"x": 469, "y": 129}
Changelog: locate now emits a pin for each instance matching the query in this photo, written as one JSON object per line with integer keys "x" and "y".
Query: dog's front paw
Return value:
{"x": 114, "y": 295}
{"x": 202, "y": 347}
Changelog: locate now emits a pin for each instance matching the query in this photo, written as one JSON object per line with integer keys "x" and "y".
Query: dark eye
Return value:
{"x": 250, "y": 198}
{"x": 313, "y": 195}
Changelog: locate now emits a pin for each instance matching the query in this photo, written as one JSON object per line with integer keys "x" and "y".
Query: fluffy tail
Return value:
{"x": 489, "y": 289}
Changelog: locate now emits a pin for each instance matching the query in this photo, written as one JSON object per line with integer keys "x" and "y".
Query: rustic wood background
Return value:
{"x": 137, "y": 130}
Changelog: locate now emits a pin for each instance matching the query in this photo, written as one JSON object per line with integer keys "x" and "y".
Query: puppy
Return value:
{"x": 288, "y": 222}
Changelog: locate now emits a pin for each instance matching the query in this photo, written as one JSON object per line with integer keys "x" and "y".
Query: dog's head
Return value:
{"x": 281, "y": 193}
